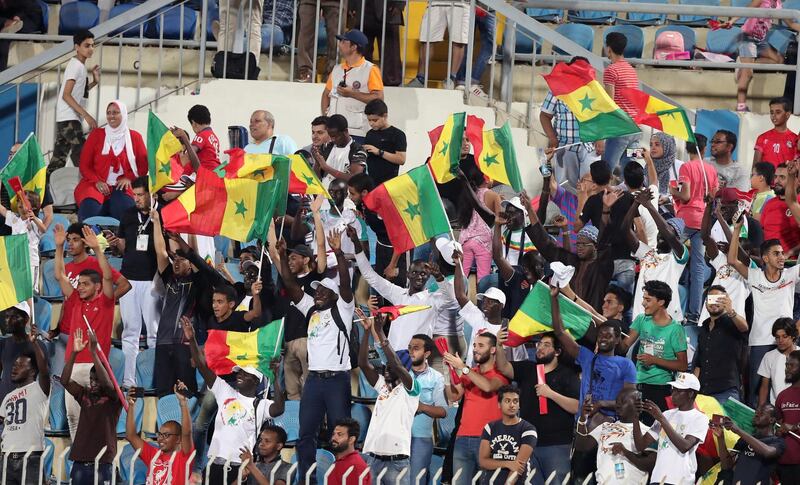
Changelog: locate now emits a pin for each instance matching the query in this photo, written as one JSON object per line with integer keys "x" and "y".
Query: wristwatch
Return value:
{"x": 465, "y": 370}
{"x": 380, "y": 153}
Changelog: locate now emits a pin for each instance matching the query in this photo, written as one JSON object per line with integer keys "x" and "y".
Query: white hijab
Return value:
{"x": 120, "y": 137}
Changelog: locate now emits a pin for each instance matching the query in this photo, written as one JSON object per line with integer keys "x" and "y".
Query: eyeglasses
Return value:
{"x": 161, "y": 435}
{"x": 544, "y": 344}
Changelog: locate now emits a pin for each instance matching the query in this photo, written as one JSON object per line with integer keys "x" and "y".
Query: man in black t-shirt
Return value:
{"x": 385, "y": 144}
{"x": 757, "y": 454}
{"x": 510, "y": 439}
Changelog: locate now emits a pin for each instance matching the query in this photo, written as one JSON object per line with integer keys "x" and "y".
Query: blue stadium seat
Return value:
{"x": 583, "y": 35}
{"x": 57, "y": 425}
{"x": 43, "y": 311}
{"x": 591, "y": 16}
{"x": 709, "y": 121}
{"x": 544, "y": 14}
{"x": 696, "y": 20}
{"x": 145, "y": 369}
{"x": 47, "y": 243}
{"x": 724, "y": 41}
{"x": 223, "y": 245}
{"x": 364, "y": 389}
{"x": 75, "y": 16}
{"x": 138, "y": 411}
{"x": 689, "y": 38}
{"x": 446, "y": 426}
{"x": 139, "y": 468}
{"x": 362, "y": 414}
{"x": 50, "y": 288}
{"x": 168, "y": 409}
{"x": 45, "y": 16}
{"x": 524, "y": 44}
{"x": 115, "y": 262}
{"x": 290, "y": 421}
{"x": 645, "y": 19}
{"x": 172, "y": 24}
{"x": 105, "y": 222}
{"x": 117, "y": 361}
{"x": 635, "y": 36}
{"x": 779, "y": 39}
{"x": 49, "y": 454}
{"x": 129, "y": 30}
{"x": 325, "y": 460}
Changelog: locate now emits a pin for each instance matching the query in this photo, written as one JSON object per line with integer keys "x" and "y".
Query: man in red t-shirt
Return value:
{"x": 777, "y": 219}
{"x": 478, "y": 386}
{"x": 91, "y": 303}
{"x": 778, "y": 145}
{"x": 787, "y": 409}
{"x": 173, "y": 438}
{"x": 343, "y": 445}
{"x": 620, "y": 74}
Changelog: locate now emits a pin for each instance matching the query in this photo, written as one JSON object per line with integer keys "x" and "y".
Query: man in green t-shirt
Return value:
{"x": 662, "y": 345}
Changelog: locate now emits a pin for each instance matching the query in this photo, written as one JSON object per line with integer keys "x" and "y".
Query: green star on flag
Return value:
{"x": 586, "y": 103}
{"x": 491, "y": 159}
{"x": 412, "y": 210}
{"x": 165, "y": 168}
{"x": 444, "y": 147}
{"x": 309, "y": 180}
{"x": 241, "y": 208}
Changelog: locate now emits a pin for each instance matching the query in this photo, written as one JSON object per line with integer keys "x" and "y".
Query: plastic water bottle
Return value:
{"x": 619, "y": 467}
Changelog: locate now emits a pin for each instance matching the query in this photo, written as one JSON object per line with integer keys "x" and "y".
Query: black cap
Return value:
{"x": 302, "y": 250}
{"x": 355, "y": 36}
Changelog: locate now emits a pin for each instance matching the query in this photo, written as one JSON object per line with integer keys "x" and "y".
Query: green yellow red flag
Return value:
{"x": 27, "y": 164}
{"x": 162, "y": 145}
{"x": 303, "y": 180}
{"x": 534, "y": 316}
{"x": 659, "y": 114}
{"x": 447, "y": 148}
{"x": 16, "y": 283}
{"x": 226, "y": 350}
{"x": 498, "y": 159}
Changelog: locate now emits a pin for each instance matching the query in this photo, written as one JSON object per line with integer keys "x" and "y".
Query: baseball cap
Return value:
{"x": 494, "y": 294}
{"x": 302, "y": 250}
{"x": 516, "y": 202}
{"x": 23, "y": 307}
{"x": 446, "y": 248}
{"x": 685, "y": 380}
{"x": 250, "y": 370}
{"x": 355, "y": 36}
{"x": 327, "y": 283}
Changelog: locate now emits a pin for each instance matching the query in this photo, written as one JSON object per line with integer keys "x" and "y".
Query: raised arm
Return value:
{"x": 481, "y": 382}
{"x": 255, "y": 312}
{"x": 278, "y": 405}
{"x": 131, "y": 434}
{"x": 41, "y": 361}
{"x": 293, "y": 288}
{"x": 501, "y": 363}
{"x": 505, "y": 269}
{"x": 682, "y": 443}
{"x": 627, "y": 222}
{"x": 641, "y": 440}
{"x": 322, "y": 257}
{"x": 791, "y": 191}
{"x": 477, "y": 205}
{"x": 61, "y": 276}
{"x": 567, "y": 342}
{"x": 392, "y": 360}
{"x": 342, "y": 266}
{"x": 105, "y": 381}
{"x": 186, "y": 418}
{"x": 187, "y": 145}
{"x": 159, "y": 243}
{"x": 78, "y": 344}
{"x": 384, "y": 287}
{"x": 91, "y": 241}
{"x": 199, "y": 358}
{"x": 733, "y": 251}
{"x": 705, "y": 229}
{"x": 458, "y": 281}
{"x": 663, "y": 228}
{"x": 363, "y": 350}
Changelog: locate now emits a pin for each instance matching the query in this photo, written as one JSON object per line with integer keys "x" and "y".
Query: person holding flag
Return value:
{"x": 755, "y": 455}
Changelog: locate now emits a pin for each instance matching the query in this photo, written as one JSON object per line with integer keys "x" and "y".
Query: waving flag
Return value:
{"x": 16, "y": 284}
{"x": 447, "y": 148}
{"x": 597, "y": 114}
{"x": 659, "y": 114}
{"x": 162, "y": 146}
{"x": 303, "y": 180}
{"x": 256, "y": 166}
{"x": 400, "y": 310}
{"x": 226, "y": 350}
{"x": 498, "y": 159}
{"x": 534, "y": 316}
{"x": 27, "y": 164}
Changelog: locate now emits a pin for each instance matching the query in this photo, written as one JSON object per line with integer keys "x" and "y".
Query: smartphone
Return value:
{"x": 138, "y": 392}
{"x": 714, "y": 299}
{"x": 185, "y": 392}
{"x": 544, "y": 168}
{"x": 633, "y": 152}
{"x": 552, "y": 230}
{"x": 107, "y": 233}
{"x": 716, "y": 419}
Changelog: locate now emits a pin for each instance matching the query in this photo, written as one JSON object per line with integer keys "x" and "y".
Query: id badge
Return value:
{"x": 648, "y": 348}
{"x": 141, "y": 242}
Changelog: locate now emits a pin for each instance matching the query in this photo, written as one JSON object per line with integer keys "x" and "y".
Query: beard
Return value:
{"x": 545, "y": 359}
{"x": 338, "y": 448}
{"x": 418, "y": 362}
{"x": 779, "y": 190}
{"x": 481, "y": 358}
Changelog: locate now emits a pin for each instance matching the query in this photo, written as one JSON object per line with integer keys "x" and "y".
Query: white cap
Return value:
{"x": 250, "y": 370}
{"x": 516, "y": 202}
{"x": 686, "y": 380}
{"x": 494, "y": 294}
{"x": 24, "y": 307}
{"x": 327, "y": 283}
{"x": 562, "y": 274}
{"x": 446, "y": 248}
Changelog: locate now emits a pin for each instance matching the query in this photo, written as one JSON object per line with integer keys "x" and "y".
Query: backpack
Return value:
{"x": 669, "y": 46}
{"x": 351, "y": 338}
{"x": 235, "y": 66}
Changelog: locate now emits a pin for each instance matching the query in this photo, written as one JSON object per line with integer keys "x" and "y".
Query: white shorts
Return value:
{"x": 454, "y": 18}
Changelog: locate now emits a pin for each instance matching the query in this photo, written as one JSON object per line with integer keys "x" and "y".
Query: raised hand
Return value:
{"x": 180, "y": 386}
{"x": 34, "y": 333}
{"x": 366, "y": 321}
{"x": 188, "y": 328}
{"x": 256, "y": 288}
{"x": 60, "y": 236}
{"x": 132, "y": 396}
{"x": 316, "y": 204}
{"x": 90, "y": 238}
{"x": 335, "y": 240}
{"x": 78, "y": 344}
{"x": 454, "y": 361}
{"x": 280, "y": 246}
{"x": 353, "y": 235}
{"x": 610, "y": 197}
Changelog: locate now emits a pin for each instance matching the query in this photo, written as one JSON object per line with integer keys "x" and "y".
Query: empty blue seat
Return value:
{"x": 524, "y": 44}
{"x": 43, "y": 311}
{"x": 325, "y": 460}
{"x": 645, "y": 19}
{"x": 686, "y": 32}
{"x": 117, "y": 361}
{"x": 139, "y": 468}
{"x": 50, "y": 288}
{"x": 591, "y": 16}
{"x": 544, "y": 14}
{"x": 168, "y": 409}
{"x": 131, "y": 29}
{"x": 57, "y": 425}
{"x": 47, "y": 242}
{"x": 446, "y": 426}
{"x": 104, "y": 222}
{"x": 172, "y": 24}
{"x": 583, "y": 35}
{"x": 45, "y": 16}
{"x": 290, "y": 420}
{"x": 635, "y": 36}
{"x": 724, "y": 41}
{"x": 138, "y": 411}
{"x": 49, "y": 454}
{"x": 75, "y": 16}
{"x": 779, "y": 39}
{"x": 696, "y": 20}
{"x": 145, "y": 369}
{"x": 362, "y": 414}
{"x": 115, "y": 262}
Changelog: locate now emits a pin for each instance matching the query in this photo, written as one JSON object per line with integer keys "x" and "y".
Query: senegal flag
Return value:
{"x": 498, "y": 159}
{"x": 256, "y": 166}
{"x": 226, "y": 350}
{"x": 16, "y": 284}
{"x": 303, "y": 180}
{"x": 27, "y": 164}
{"x": 597, "y": 114}
{"x": 534, "y": 316}
{"x": 411, "y": 208}
{"x": 161, "y": 146}
{"x": 659, "y": 114}
{"x": 447, "y": 148}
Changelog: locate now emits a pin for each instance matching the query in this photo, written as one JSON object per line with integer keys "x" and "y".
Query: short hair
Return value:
{"x": 576, "y": 59}
{"x": 81, "y": 35}
{"x": 177, "y": 425}
{"x": 507, "y": 389}
{"x": 766, "y": 170}
{"x": 31, "y": 355}
{"x": 795, "y": 354}
{"x": 319, "y": 120}
{"x": 700, "y": 146}
{"x": 280, "y": 433}
{"x": 199, "y": 114}
{"x": 492, "y": 337}
{"x": 427, "y": 341}
{"x": 633, "y": 174}
{"x": 613, "y": 324}
{"x": 616, "y": 41}
{"x": 787, "y": 325}
{"x": 226, "y": 290}
{"x": 93, "y": 275}
{"x": 730, "y": 137}
{"x": 353, "y": 428}
{"x": 141, "y": 183}
{"x": 76, "y": 228}
{"x": 659, "y": 290}
{"x": 552, "y": 336}
{"x": 623, "y": 296}
{"x": 787, "y": 105}
{"x": 768, "y": 244}
{"x": 600, "y": 172}
{"x": 337, "y": 122}
{"x": 376, "y": 107}
{"x": 717, "y": 288}
{"x": 361, "y": 182}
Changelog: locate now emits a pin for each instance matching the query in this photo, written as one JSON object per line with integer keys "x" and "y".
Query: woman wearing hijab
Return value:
{"x": 662, "y": 151}
{"x": 112, "y": 157}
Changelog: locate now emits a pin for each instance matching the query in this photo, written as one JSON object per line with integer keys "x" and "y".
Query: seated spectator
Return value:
{"x": 346, "y": 157}
{"x": 663, "y": 153}
{"x": 343, "y": 445}
{"x": 276, "y": 25}
{"x": 772, "y": 370}
{"x": 731, "y": 173}
{"x": 761, "y": 180}
{"x": 25, "y": 221}
{"x": 789, "y": 419}
{"x": 263, "y": 138}
{"x": 778, "y": 145}
{"x": 173, "y": 439}
{"x": 111, "y": 159}
{"x": 755, "y": 456}
{"x": 267, "y": 467}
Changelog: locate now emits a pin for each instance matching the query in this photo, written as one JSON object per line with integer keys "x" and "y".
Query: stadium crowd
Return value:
{"x": 685, "y": 270}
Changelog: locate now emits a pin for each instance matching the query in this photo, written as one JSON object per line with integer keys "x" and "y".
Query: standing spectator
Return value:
{"x": 508, "y": 443}
{"x": 343, "y": 445}
{"x": 761, "y": 179}
{"x": 25, "y": 221}
{"x": 662, "y": 345}
{"x": 485, "y": 21}
{"x": 71, "y": 103}
{"x": 662, "y": 152}
{"x": 751, "y": 235}
{"x": 16, "y": 343}
{"x": 755, "y": 456}
{"x": 309, "y": 15}
{"x": 113, "y": 157}
{"x": 778, "y": 145}
{"x": 775, "y": 214}
{"x": 352, "y": 84}
{"x": 677, "y": 433}
{"x": 99, "y": 408}
{"x": 772, "y": 371}
{"x": 233, "y": 13}
{"x": 242, "y": 411}
{"x": 263, "y": 137}
{"x": 386, "y": 32}
{"x": 619, "y": 75}
{"x": 478, "y": 386}
{"x": 515, "y": 281}
{"x": 24, "y": 411}
{"x": 717, "y": 362}
{"x": 385, "y": 144}
{"x": 615, "y": 304}
{"x": 173, "y": 438}
{"x": 730, "y": 172}
{"x": 561, "y": 389}
{"x": 438, "y": 17}
{"x": 135, "y": 241}
{"x": 268, "y": 464}
{"x": 205, "y": 142}
{"x": 475, "y": 218}
{"x": 788, "y": 413}
{"x": 515, "y": 241}
{"x": 346, "y": 157}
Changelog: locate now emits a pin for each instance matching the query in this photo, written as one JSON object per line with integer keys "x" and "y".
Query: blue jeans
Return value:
{"x": 321, "y": 397}
{"x": 723, "y": 396}
{"x": 421, "y": 453}
{"x": 82, "y": 473}
{"x": 697, "y": 273}
{"x": 465, "y": 458}
{"x": 624, "y": 275}
{"x": 549, "y": 459}
{"x": 485, "y": 27}
{"x": 571, "y": 164}
{"x": 115, "y": 205}
{"x": 614, "y": 153}
{"x": 393, "y": 469}
{"x": 207, "y": 413}
{"x": 271, "y": 35}
{"x": 757, "y": 353}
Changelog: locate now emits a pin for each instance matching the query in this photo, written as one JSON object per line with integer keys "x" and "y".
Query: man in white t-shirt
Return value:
{"x": 678, "y": 432}
{"x": 24, "y": 412}
{"x": 772, "y": 370}
{"x": 326, "y": 391}
{"x": 773, "y": 291}
{"x": 240, "y": 410}
{"x": 71, "y": 103}
{"x": 345, "y": 157}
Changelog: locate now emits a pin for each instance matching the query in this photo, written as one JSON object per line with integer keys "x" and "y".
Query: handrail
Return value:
{"x": 665, "y": 8}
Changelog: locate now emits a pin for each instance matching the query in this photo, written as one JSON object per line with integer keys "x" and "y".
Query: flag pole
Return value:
{"x": 568, "y": 146}
{"x": 441, "y": 204}
{"x": 104, "y": 360}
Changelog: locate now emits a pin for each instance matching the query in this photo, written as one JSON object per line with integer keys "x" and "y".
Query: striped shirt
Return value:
{"x": 568, "y": 203}
{"x": 622, "y": 75}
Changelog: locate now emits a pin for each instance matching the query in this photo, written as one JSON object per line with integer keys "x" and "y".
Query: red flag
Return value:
{"x": 441, "y": 344}
{"x": 16, "y": 185}
{"x": 542, "y": 399}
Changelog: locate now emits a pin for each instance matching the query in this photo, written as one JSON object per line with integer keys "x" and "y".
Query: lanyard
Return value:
{"x": 142, "y": 224}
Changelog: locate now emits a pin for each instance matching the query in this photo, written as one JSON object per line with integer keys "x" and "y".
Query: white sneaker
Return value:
{"x": 478, "y": 92}
{"x": 449, "y": 83}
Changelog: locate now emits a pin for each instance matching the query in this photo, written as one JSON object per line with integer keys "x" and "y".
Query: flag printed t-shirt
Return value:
{"x": 389, "y": 430}
{"x": 606, "y": 435}
{"x": 663, "y": 342}
{"x": 515, "y": 244}
{"x": 787, "y": 408}
{"x": 505, "y": 442}
{"x": 664, "y": 267}
{"x": 672, "y": 466}
{"x": 162, "y": 473}
{"x": 771, "y": 301}
{"x": 327, "y": 346}
{"x": 236, "y": 423}
{"x": 776, "y": 147}
{"x": 207, "y": 145}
